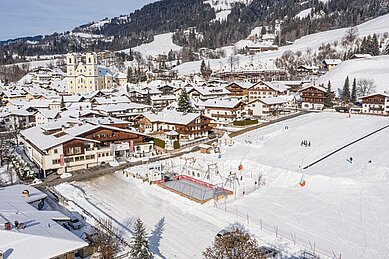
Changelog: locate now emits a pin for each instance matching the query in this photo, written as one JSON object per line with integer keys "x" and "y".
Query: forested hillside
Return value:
{"x": 131, "y": 30}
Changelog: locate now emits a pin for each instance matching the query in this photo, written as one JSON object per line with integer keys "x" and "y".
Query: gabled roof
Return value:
{"x": 314, "y": 86}
{"x": 243, "y": 85}
{"x": 332, "y": 61}
{"x": 49, "y": 113}
{"x": 276, "y": 86}
{"x": 39, "y": 138}
{"x": 370, "y": 95}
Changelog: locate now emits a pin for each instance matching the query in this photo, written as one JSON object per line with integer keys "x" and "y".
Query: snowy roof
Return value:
{"x": 275, "y": 85}
{"x": 112, "y": 100}
{"x": 32, "y": 103}
{"x": 120, "y": 75}
{"x": 163, "y": 97}
{"x": 49, "y": 113}
{"x": 220, "y": 103}
{"x": 370, "y": 95}
{"x": 361, "y": 56}
{"x": 272, "y": 100}
{"x": 39, "y": 138}
{"x": 104, "y": 71}
{"x": 12, "y": 110}
{"x": 314, "y": 86}
{"x": 105, "y": 121}
{"x": 172, "y": 117}
{"x": 308, "y": 67}
{"x": 42, "y": 237}
{"x": 121, "y": 107}
{"x": 332, "y": 61}
{"x": 172, "y": 133}
{"x": 209, "y": 91}
{"x": 244, "y": 85}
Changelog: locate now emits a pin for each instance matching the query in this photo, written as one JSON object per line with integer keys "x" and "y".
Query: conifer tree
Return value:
{"x": 375, "y": 46}
{"x": 140, "y": 244}
{"x": 328, "y": 96}
{"x": 203, "y": 68}
{"x": 148, "y": 98}
{"x": 346, "y": 91}
{"x": 184, "y": 104}
{"x": 354, "y": 92}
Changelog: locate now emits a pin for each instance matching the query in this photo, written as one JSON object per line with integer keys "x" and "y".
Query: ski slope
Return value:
{"x": 161, "y": 44}
{"x": 343, "y": 208}
{"x": 310, "y": 42}
{"x": 375, "y": 68}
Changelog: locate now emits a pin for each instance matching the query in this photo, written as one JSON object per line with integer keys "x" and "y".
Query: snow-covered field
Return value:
{"x": 342, "y": 209}
{"x": 375, "y": 68}
{"x": 162, "y": 44}
{"x": 311, "y": 42}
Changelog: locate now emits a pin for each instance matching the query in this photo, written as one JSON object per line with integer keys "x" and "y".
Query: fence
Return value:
{"x": 307, "y": 245}
{"x": 62, "y": 199}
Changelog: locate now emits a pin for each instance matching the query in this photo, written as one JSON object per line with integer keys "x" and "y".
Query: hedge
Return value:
{"x": 159, "y": 142}
{"x": 176, "y": 144}
{"x": 245, "y": 122}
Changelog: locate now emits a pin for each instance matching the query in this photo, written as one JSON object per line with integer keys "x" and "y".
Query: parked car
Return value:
{"x": 75, "y": 223}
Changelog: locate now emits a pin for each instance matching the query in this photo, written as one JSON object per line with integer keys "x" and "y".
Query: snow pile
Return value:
{"x": 375, "y": 68}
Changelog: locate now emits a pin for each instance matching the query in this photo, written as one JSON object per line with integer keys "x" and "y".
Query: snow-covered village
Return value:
{"x": 217, "y": 129}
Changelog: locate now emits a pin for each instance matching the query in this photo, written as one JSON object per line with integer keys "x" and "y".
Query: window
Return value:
{"x": 55, "y": 151}
{"x": 56, "y": 161}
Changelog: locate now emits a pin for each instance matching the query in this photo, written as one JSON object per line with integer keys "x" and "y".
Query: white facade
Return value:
{"x": 84, "y": 75}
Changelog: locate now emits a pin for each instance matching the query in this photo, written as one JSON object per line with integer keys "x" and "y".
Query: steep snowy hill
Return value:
{"x": 375, "y": 68}
{"x": 311, "y": 42}
{"x": 161, "y": 44}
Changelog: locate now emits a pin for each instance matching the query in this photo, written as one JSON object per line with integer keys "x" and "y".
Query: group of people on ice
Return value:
{"x": 305, "y": 143}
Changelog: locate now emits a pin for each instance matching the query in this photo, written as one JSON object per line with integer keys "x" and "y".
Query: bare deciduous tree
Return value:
{"x": 351, "y": 34}
{"x": 106, "y": 239}
{"x": 365, "y": 86}
{"x": 233, "y": 243}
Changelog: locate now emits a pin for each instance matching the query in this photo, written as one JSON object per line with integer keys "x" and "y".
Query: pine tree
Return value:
{"x": 328, "y": 96}
{"x": 62, "y": 103}
{"x": 375, "y": 46}
{"x": 346, "y": 91}
{"x": 184, "y": 104}
{"x": 139, "y": 244}
{"x": 148, "y": 98}
{"x": 203, "y": 68}
{"x": 354, "y": 92}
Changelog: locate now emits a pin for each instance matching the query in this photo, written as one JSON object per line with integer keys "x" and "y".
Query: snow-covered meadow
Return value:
{"x": 342, "y": 209}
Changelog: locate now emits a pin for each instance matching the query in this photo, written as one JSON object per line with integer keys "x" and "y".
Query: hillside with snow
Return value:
{"x": 223, "y": 7}
{"x": 307, "y": 43}
{"x": 161, "y": 44}
{"x": 375, "y": 68}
